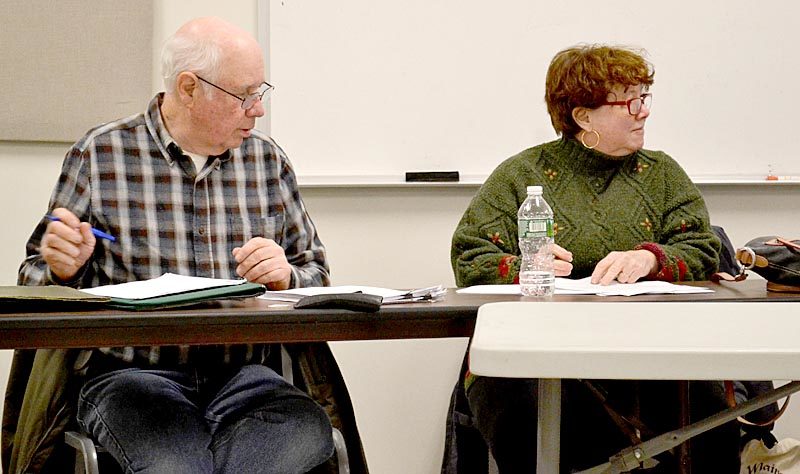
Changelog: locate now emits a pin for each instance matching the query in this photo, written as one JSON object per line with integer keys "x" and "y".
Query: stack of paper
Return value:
{"x": 171, "y": 290}
{"x": 389, "y": 296}
{"x": 565, "y": 286}
{"x": 166, "y": 284}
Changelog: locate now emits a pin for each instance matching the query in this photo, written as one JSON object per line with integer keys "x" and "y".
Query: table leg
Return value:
{"x": 684, "y": 453}
{"x": 549, "y": 436}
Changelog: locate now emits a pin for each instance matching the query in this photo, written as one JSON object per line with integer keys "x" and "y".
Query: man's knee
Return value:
{"x": 308, "y": 423}
{"x": 314, "y": 441}
{"x": 287, "y": 435}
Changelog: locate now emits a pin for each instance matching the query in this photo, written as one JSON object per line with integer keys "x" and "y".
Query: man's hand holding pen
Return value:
{"x": 67, "y": 244}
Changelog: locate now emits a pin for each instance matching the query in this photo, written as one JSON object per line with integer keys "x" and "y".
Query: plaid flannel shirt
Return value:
{"x": 131, "y": 180}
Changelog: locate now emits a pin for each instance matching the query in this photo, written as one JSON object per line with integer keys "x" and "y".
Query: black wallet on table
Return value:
{"x": 352, "y": 301}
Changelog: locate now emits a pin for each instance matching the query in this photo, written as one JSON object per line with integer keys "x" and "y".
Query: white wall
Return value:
{"x": 392, "y": 237}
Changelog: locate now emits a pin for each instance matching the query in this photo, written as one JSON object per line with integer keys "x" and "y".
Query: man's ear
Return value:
{"x": 187, "y": 86}
{"x": 582, "y": 117}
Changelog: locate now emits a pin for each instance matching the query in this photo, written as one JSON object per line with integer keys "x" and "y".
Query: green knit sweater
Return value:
{"x": 600, "y": 204}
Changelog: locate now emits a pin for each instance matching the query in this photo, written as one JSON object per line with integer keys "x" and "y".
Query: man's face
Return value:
{"x": 219, "y": 122}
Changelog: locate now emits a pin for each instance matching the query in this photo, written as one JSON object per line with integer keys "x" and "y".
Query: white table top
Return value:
{"x": 638, "y": 340}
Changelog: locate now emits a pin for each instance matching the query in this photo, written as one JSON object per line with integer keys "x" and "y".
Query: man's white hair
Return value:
{"x": 201, "y": 56}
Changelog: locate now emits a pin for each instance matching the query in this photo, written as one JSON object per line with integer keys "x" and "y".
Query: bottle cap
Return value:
{"x": 534, "y": 190}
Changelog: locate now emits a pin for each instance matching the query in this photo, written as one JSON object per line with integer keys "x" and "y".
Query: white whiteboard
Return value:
{"x": 366, "y": 87}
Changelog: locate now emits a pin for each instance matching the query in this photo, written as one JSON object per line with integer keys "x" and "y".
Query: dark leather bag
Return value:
{"x": 776, "y": 259}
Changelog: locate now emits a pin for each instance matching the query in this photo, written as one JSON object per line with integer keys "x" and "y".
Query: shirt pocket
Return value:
{"x": 269, "y": 227}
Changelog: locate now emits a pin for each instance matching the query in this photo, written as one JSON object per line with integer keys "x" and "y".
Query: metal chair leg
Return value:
{"x": 341, "y": 452}
{"x": 85, "y": 452}
{"x": 684, "y": 450}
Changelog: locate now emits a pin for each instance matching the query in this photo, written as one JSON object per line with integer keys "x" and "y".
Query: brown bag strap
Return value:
{"x": 634, "y": 429}
{"x": 731, "y": 398}
{"x": 748, "y": 258}
{"x": 785, "y": 242}
{"x": 725, "y": 276}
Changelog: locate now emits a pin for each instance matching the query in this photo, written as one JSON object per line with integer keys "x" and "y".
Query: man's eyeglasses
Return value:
{"x": 635, "y": 104}
{"x": 248, "y": 101}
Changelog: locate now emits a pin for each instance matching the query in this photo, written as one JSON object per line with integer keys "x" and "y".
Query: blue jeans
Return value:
{"x": 170, "y": 421}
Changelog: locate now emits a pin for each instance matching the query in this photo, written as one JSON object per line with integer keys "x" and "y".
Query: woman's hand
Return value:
{"x": 561, "y": 262}
{"x": 625, "y": 267}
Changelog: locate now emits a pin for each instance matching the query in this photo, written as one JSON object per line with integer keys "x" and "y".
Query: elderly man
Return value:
{"x": 189, "y": 187}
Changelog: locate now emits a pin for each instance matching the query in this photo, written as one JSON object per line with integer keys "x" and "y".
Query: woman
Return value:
{"x": 622, "y": 214}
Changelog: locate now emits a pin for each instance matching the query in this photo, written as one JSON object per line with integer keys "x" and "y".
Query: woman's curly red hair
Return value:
{"x": 584, "y": 75}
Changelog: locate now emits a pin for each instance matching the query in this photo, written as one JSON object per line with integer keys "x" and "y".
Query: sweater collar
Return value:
{"x": 590, "y": 161}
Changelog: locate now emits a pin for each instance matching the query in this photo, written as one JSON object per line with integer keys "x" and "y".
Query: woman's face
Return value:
{"x": 620, "y": 132}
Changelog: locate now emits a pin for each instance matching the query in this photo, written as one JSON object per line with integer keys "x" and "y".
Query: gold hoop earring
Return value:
{"x": 583, "y": 140}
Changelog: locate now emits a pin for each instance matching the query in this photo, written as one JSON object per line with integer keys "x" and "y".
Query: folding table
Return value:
{"x": 551, "y": 340}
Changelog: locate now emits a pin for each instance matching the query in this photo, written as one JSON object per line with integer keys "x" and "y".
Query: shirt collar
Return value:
{"x": 164, "y": 141}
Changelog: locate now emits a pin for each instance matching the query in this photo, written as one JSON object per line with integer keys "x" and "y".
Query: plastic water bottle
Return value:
{"x": 535, "y": 227}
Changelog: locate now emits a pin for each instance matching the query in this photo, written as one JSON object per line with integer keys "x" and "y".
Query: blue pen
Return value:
{"x": 97, "y": 233}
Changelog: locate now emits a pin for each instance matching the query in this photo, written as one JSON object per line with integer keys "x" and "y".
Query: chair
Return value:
{"x": 727, "y": 255}
{"x": 86, "y": 450}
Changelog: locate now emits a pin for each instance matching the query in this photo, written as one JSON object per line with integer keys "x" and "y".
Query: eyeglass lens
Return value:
{"x": 635, "y": 105}
{"x": 251, "y": 99}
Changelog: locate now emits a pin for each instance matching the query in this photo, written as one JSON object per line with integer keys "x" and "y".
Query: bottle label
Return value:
{"x": 532, "y": 228}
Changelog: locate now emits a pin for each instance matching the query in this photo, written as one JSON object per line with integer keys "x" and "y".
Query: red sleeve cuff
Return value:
{"x": 656, "y": 250}
{"x": 668, "y": 269}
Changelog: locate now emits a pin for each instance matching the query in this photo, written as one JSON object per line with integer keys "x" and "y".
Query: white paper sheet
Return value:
{"x": 566, "y": 286}
{"x": 297, "y": 293}
{"x": 166, "y": 284}
{"x": 389, "y": 295}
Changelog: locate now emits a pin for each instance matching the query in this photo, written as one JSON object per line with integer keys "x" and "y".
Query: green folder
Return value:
{"x": 53, "y": 298}
{"x": 242, "y": 290}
